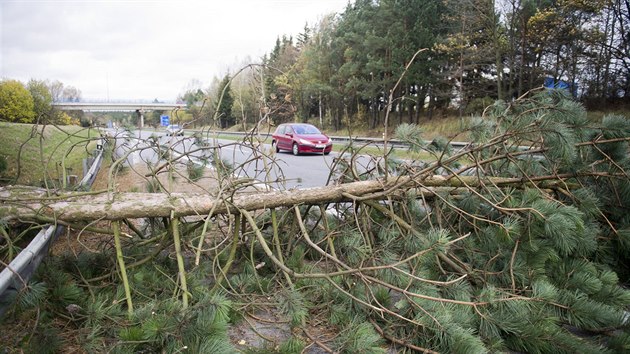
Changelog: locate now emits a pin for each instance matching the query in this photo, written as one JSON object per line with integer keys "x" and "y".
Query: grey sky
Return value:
{"x": 144, "y": 49}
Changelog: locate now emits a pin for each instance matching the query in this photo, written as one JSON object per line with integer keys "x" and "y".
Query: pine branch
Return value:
{"x": 400, "y": 341}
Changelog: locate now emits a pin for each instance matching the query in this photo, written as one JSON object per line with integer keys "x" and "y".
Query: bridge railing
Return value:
{"x": 118, "y": 100}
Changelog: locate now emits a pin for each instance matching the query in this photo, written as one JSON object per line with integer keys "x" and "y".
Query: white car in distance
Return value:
{"x": 174, "y": 130}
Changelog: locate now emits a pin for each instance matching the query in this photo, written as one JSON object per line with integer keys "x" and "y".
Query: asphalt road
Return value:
{"x": 282, "y": 170}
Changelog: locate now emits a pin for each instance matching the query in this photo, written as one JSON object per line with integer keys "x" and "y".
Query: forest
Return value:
{"x": 473, "y": 52}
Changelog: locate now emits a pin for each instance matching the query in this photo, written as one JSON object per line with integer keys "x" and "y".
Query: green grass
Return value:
{"x": 598, "y": 115}
{"x": 43, "y": 151}
{"x": 396, "y": 152}
{"x": 438, "y": 126}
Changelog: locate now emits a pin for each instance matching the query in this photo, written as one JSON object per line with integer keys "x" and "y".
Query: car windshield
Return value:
{"x": 306, "y": 129}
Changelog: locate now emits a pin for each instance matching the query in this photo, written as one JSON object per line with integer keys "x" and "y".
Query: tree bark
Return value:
{"x": 32, "y": 203}
{"x": 28, "y": 203}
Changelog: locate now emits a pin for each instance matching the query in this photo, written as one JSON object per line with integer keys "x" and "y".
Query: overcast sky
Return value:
{"x": 144, "y": 49}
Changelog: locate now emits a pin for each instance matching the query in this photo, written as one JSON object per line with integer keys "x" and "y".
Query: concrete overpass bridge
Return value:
{"x": 121, "y": 106}
{"x": 116, "y": 106}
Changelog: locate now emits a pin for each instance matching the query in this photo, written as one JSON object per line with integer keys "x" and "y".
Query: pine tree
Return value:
{"x": 226, "y": 101}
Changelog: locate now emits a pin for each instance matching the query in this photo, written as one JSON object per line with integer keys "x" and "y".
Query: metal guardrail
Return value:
{"x": 15, "y": 276}
{"x": 345, "y": 139}
{"x": 455, "y": 145}
{"x": 90, "y": 176}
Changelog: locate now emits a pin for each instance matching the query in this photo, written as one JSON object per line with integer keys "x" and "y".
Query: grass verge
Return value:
{"x": 34, "y": 153}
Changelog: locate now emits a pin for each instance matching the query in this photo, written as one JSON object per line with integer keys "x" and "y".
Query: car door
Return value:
{"x": 287, "y": 138}
{"x": 277, "y": 136}
{"x": 280, "y": 136}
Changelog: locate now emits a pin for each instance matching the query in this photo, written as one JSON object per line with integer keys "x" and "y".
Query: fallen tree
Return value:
{"x": 519, "y": 242}
{"x": 32, "y": 204}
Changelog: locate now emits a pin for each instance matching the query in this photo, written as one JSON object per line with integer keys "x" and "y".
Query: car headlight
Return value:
{"x": 305, "y": 142}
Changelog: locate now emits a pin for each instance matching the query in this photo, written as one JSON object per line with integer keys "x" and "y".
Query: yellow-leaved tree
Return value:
{"x": 16, "y": 102}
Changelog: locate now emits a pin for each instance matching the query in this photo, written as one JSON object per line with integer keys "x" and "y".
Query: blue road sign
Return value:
{"x": 551, "y": 83}
{"x": 165, "y": 121}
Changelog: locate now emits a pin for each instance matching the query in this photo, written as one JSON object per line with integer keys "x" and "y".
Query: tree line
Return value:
{"x": 342, "y": 69}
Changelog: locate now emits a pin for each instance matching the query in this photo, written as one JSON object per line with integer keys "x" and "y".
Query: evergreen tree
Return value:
{"x": 225, "y": 101}
{"x": 278, "y": 88}
{"x": 304, "y": 37}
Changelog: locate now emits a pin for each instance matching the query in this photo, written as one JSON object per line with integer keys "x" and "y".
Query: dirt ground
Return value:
{"x": 134, "y": 179}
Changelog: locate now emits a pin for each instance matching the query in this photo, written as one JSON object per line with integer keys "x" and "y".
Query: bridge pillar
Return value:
{"x": 141, "y": 114}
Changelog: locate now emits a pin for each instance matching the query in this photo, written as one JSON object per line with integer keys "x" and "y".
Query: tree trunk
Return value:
{"x": 319, "y": 106}
{"x": 31, "y": 203}
{"x": 400, "y": 104}
{"x": 422, "y": 96}
{"x": 521, "y": 68}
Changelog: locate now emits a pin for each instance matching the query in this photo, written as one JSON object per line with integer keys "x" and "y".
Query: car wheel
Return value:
{"x": 274, "y": 144}
{"x": 296, "y": 149}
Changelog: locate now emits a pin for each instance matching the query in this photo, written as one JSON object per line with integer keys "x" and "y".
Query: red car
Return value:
{"x": 299, "y": 138}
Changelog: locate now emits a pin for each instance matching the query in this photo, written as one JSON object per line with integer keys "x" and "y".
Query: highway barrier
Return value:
{"x": 347, "y": 139}
{"x": 15, "y": 276}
